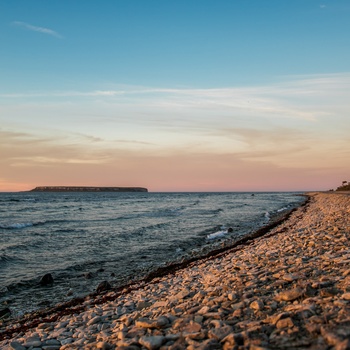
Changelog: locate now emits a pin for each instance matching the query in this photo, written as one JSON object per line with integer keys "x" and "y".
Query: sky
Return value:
{"x": 185, "y": 95}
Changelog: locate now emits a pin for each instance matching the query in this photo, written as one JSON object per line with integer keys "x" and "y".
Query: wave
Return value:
{"x": 22, "y": 225}
{"x": 17, "y": 226}
{"x": 16, "y": 200}
{"x": 6, "y": 259}
{"x": 216, "y": 235}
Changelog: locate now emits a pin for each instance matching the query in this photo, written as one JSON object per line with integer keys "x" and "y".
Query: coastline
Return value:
{"x": 266, "y": 291}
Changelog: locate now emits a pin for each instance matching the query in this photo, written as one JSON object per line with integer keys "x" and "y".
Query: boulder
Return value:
{"x": 103, "y": 286}
{"x": 46, "y": 280}
{"x": 5, "y": 312}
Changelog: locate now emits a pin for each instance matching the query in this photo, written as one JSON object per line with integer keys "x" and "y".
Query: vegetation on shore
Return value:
{"x": 344, "y": 187}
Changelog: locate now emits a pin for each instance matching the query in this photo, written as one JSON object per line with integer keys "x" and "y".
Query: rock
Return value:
{"x": 33, "y": 344}
{"x": 103, "y": 345}
{"x": 142, "y": 304}
{"x": 94, "y": 320}
{"x": 152, "y": 342}
{"x": 289, "y": 295}
{"x": 331, "y": 337}
{"x": 5, "y": 312}
{"x": 145, "y": 323}
{"x": 220, "y": 333}
{"x": 273, "y": 319}
{"x": 103, "y": 286}
{"x": 46, "y": 280}
{"x": 257, "y": 305}
{"x": 285, "y": 323}
{"x": 233, "y": 339}
{"x": 16, "y": 346}
{"x": 162, "y": 322}
{"x": 346, "y": 296}
{"x": 88, "y": 275}
{"x": 344, "y": 345}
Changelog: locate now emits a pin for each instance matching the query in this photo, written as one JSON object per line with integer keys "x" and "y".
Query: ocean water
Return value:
{"x": 85, "y": 238}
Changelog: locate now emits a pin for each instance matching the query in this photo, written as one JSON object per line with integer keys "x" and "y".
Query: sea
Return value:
{"x": 84, "y": 238}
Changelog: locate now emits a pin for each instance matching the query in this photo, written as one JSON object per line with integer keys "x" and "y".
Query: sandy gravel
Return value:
{"x": 289, "y": 289}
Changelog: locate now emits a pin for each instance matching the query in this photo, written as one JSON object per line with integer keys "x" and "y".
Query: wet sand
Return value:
{"x": 288, "y": 289}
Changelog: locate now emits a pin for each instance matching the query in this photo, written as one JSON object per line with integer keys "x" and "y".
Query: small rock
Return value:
{"x": 33, "y": 343}
{"x": 162, "y": 322}
{"x": 94, "y": 320}
{"x": 88, "y": 275}
{"x": 46, "y": 280}
{"x": 290, "y": 295}
{"x": 103, "y": 345}
{"x": 220, "y": 333}
{"x": 233, "y": 339}
{"x": 257, "y": 305}
{"x": 346, "y": 296}
{"x": 16, "y": 346}
{"x": 145, "y": 323}
{"x": 152, "y": 342}
{"x": 142, "y": 304}
{"x": 103, "y": 286}
{"x": 285, "y": 323}
{"x": 5, "y": 312}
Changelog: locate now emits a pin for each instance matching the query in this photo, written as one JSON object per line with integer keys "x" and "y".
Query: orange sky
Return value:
{"x": 293, "y": 135}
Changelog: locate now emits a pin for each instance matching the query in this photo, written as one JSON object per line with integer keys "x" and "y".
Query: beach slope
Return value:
{"x": 289, "y": 289}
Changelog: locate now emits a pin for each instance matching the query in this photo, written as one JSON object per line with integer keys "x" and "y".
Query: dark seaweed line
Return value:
{"x": 76, "y": 305}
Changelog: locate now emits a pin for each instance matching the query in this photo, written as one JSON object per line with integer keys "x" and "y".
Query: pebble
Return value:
{"x": 287, "y": 289}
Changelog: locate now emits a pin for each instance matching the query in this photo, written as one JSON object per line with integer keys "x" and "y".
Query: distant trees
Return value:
{"x": 344, "y": 187}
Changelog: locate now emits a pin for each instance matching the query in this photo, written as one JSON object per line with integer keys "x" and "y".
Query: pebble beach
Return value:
{"x": 288, "y": 289}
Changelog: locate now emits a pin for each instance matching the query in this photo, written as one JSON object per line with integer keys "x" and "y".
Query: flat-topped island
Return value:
{"x": 87, "y": 189}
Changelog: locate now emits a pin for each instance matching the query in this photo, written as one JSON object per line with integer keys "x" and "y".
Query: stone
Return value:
{"x": 233, "y": 339}
{"x": 162, "y": 322}
{"x": 289, "y": 295}
{"x": 257, "y": 305}
{"x": 220, "y": 333}
{"x": 103, "y": 345}
{"x": 88, "y": 275}
{"x": 94, "y": 320}
{"x": 285, "y": 323}
{"x": 346, "y": 296}
{"x": 5, "y": 312}
{"x": 142, "y": 305}
{"x": 145, "y": 323}
{"x": 103, "y": 286}
{"x": 46, "y": 280}
{"x": 152, "y": 342}
{"x": 16, "y": 346}
{"x": 33, "y": 343}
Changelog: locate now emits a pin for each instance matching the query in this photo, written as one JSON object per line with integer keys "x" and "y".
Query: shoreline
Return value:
{"x": 265, "y": 293}
{"x": 218, "y": 249}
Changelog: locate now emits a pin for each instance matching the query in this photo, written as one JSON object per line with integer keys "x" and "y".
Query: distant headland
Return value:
{"x": 87, "y": 189}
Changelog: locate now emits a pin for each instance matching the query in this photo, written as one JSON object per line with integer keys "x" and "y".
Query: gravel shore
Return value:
{"x": 289, "y": 289}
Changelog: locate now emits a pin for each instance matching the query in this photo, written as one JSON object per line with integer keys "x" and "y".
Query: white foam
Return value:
{"x": 18, "y": 225}
{"x": 217, "y": 234}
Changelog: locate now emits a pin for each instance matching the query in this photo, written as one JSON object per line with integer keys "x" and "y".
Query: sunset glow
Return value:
{"x": 175, "y": 96}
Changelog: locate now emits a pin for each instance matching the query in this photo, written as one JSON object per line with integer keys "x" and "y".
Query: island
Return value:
{"x": 87, "y": 189}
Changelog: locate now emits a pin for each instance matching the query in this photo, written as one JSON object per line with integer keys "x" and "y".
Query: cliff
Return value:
{"x": 87, "y": 189}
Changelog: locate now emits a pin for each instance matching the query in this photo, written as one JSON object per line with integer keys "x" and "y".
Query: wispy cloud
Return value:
{"x": 37, "y": 29}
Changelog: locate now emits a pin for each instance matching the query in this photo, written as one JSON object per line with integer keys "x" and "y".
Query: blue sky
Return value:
{"x": 192, "y": 80}
{"x": 169, "y": 43}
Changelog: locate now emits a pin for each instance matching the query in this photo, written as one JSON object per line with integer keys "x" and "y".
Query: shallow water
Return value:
{"x": 85, "y": 238}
